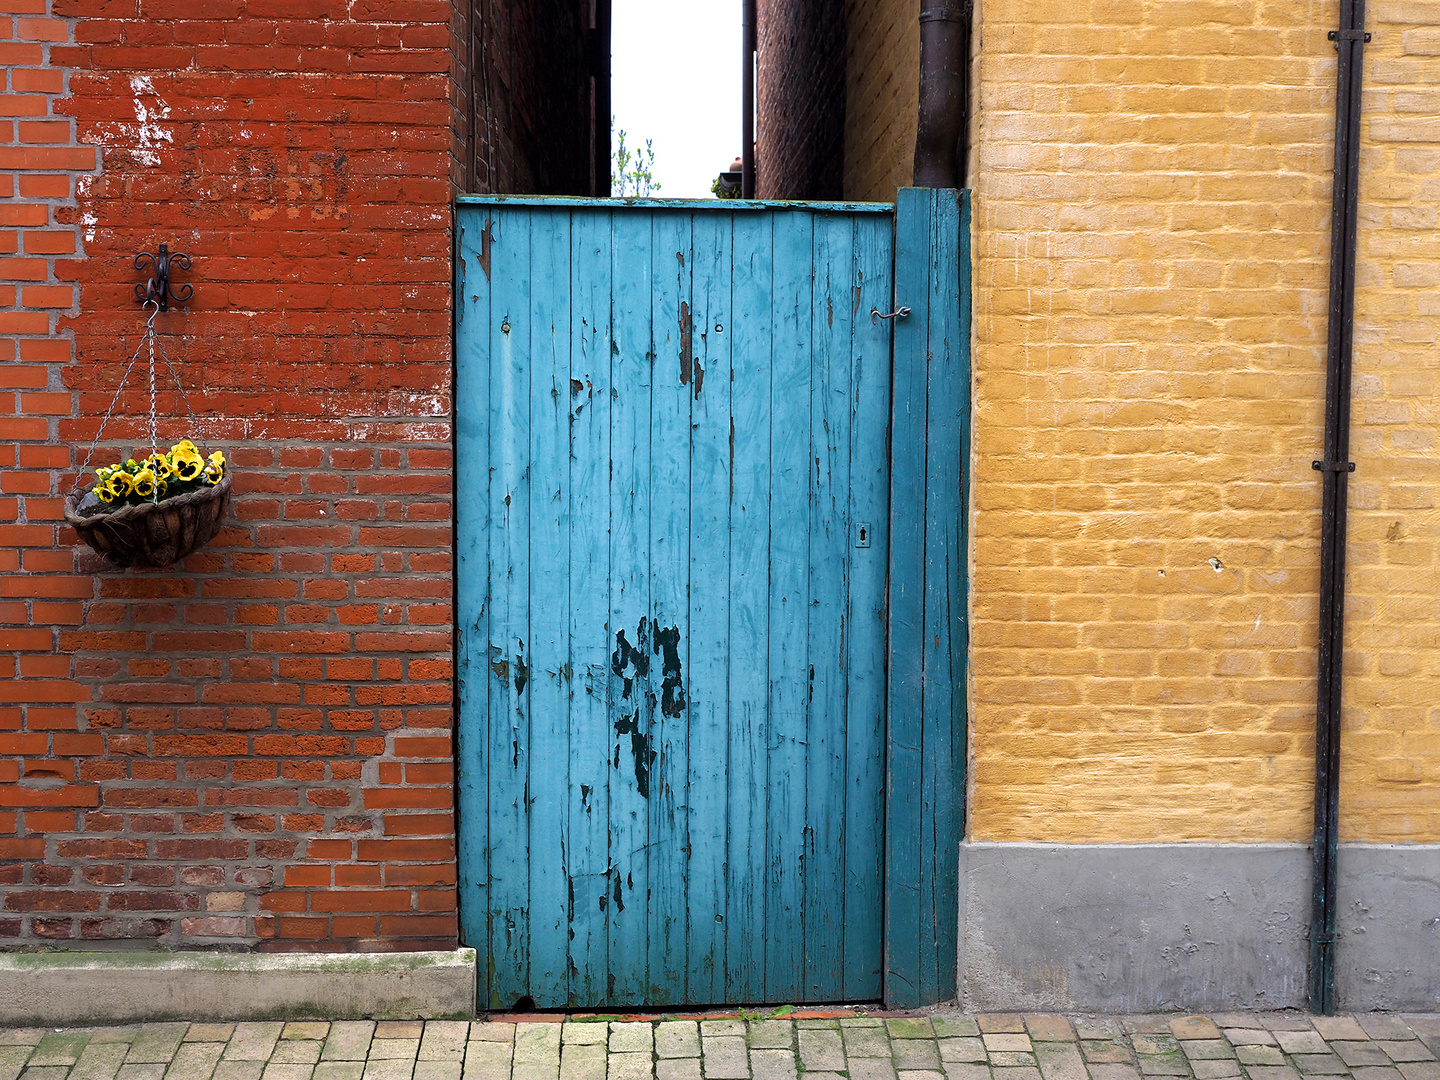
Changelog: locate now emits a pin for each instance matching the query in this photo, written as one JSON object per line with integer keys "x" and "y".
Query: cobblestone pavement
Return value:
{"x": 932, "y": 1046}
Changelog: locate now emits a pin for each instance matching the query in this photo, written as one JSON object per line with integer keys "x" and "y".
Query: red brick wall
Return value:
{"x": 800, "y": 99}
{"x": 254, "y": 747}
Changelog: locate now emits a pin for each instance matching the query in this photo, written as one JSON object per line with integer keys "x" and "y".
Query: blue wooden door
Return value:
{"x": 673, "y": 506}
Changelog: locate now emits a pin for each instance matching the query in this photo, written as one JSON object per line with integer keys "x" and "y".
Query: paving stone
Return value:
{"x": 1376, "y": 1072}
{"x": 1260, "y": 1056}
{"x": 297, "y": 1052}
{"x": 911, "y": 1055}
{"x": 211, "y": 1033}
{"x": 870, "y": 1043}
{"x": 1334, "y": 1028}
{"x": 1234, "y": 1020}
{"x": 1163, "y": 1064}
{"x": 400, "y": 1029}
{"x": 251, "y": 1042}
{"x": 394, "y": 1049}
{"x": 1411, "y": 1070}
{"x": 1206, "y": 1049}
{"x": 958, "y": 1049}
{"x": 46, "y": 1072}
{"x": 156, "y": 1044}
{"x": 710, "y": 1028}
{"x": 437, "y": 1070}
{"x": 1109, "y": 1071}
{"x": 13, "y": 1058}
{"x": 1194, "y": 1027}
{"x": 1105, "y": 1053}
{"x": 59, "y": 1048}
{"x": 349, "y": 1040}
{"x": 21, "y": 1036}
{"x": 1360, "y": 1053}
{"x": 1001, "y": 1023}
{"x": 195, "y": 1061}
{"x": 1213, "y": 1069}
{"x": 774, "y": 1065}
{"x": 313, "y": 1030}
{"x": 1060, "y": 1060}
{"x": 99, "y": 1061}
{"x": 585, "y": 1034}
{"x": 726, "y": 1057}
{"x": 237, "y": 1070}
{"x": 678, "y": 1068}
{"x": 1009, "y": 1058}
{"x": 126, "y": 1033}
{"x": 1271, "y": 1072}
{"x": 1146, "y": 1025}
{"x": 818, "y": 1022}
{"x": 1154, "y": 1043}
{"x": 388, "y": 1069}
{"x": 338, "y": 1070}
{"x": 910, "y": 1027}
{"x": 1301, "y": 1042}
{"x": 677, "y": 1038}
{"x": 444, "y": 1040}
{"x": 492, "y": 1031}
{"x": 1006, "y": 1041}
{"x": 582, "y": 1061}
{"x": 822, "y": 1051}
{"x": 1320, "y": 1065}
{"x": 947, "y": 1027}
{"x": 1019, "y": 1072}
{"x": 144, "y": 1071}
{"x": 286, "y": 1071}
{"x": 1097, "y": 1027}
{"x": 537, "y": 1045}
{"x": 1047, "y": 1027}
{"x": 1285, "y": 1021}
{"x": 825, "y": 1076}
{"x": 777, "y": 1034}
{"x": 1383, "y": 1026}
{"x": 631, "y": 1038}
{"x": 1412, "y": 1050}
{"x": 1250, "y": 1037}
{"x": 919, "y": 1074}
{"x": 955, "y": 1070}
{"x": 876, "y": 1069}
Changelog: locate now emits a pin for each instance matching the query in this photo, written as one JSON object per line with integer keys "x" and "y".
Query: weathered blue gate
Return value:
{"x": 674, "y": 511}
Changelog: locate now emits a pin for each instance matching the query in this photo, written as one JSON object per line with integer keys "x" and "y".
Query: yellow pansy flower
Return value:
{"x": 119, "y": 485}
{"x": 187, "y": 466}
{"x": 215, "y": 470}
{"x": 102, "y": 492}
{"x": 144, "y": 483}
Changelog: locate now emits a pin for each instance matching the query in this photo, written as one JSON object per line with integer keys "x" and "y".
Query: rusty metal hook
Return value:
{"x": 898, "y": 313}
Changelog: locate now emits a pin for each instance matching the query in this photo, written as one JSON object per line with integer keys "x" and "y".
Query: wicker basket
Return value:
{"x": 154, "y": 534}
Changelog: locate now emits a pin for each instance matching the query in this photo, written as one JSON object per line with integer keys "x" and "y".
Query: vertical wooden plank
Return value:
{"x": 749, "y": 605}
{"x": 906, "y": 645}
{"x": 871, "y": 288}
{"x": 948, "y": 393}
{"x": 547, "y": 678}
{"x": 509, "y": 497}
{"x": 709, "y": 642}
{"x": 472, "y": 572}
{"x": 632, "y": 703}
{"x": 961, "y": 613}
{"x": 828, "y": 567}
{"x": 669, "y": 555}
{"x": 587, "y": 852}
{"x": 788, "y": 662}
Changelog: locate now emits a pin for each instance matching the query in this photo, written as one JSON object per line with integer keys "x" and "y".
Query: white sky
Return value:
{"x": 675, "y": 79}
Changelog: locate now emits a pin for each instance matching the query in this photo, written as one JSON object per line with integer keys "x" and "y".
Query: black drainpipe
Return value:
{"x": 941, "y": 135}
{"x": 1335, "y": 471}
{"x": 748, "y": 31}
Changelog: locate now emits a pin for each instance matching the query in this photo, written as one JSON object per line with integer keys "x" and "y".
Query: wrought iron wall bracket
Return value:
{"x": 1333, "y": 466}
{"x": 1347, "y": 35}
{"x": 159, "y": 288}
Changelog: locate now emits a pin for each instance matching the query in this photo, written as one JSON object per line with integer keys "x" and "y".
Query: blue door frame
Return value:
{"x": 921, "y": 598}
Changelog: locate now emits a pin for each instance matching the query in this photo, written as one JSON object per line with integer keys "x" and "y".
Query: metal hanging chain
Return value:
{"x": 150, "y": 340}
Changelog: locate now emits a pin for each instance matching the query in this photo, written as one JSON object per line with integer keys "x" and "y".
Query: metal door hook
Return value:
{"x": 898, "y": 313}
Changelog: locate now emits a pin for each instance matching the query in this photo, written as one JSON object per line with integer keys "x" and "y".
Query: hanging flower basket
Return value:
{"x": 153, "y": 512}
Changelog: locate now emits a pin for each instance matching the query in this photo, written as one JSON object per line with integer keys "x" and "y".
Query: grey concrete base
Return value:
{"x": 70, "y": 988}
{"x": 1131, "y": 928}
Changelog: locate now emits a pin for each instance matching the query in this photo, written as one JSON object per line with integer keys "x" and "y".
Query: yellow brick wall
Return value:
{"x": 882, "y": 90}
{"x": 1390, "y": 774}
{"x": 1152, "y": 230}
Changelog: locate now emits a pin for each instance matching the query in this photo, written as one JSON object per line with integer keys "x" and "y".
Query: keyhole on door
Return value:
{"x": 862, "y": 534}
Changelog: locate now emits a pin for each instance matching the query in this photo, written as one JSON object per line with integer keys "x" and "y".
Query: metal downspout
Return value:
{"x": 748, "y": 34}
{"x": 1335, "y": 471}
{"x": 941, "y": 138}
